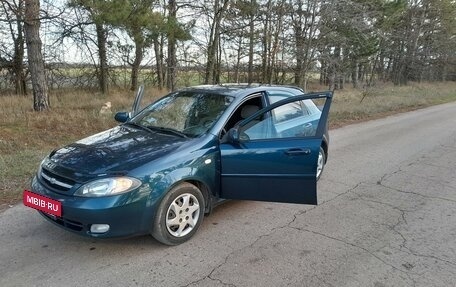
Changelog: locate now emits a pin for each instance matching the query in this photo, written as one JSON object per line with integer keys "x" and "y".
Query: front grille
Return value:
{"x": 71, "y": 224}
{"x": 55, "y": 181}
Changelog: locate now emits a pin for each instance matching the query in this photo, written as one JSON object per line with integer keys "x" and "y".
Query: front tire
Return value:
{"x": 179, "y": 215}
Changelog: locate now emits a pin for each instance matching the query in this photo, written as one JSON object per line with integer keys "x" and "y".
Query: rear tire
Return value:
{"x": 321, "y": 162}
{"x": 179, "y": 215}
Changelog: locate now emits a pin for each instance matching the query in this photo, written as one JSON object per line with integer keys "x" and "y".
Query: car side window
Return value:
{"x": 287, "y": 121}
{"x": 288, "y": 111}
{"x": 245, "y": 110}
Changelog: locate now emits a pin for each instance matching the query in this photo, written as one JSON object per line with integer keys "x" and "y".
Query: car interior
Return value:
{"x": 245, "y": 110}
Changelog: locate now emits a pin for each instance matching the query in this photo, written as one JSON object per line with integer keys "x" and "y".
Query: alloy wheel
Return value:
{"x": 182, "y": 215}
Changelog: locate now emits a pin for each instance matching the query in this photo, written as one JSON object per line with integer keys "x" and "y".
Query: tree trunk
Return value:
{"x": 213, "y": 66}
{"x": 18, "y": 62}
{"x": 158, "y": 62}
{"x": 35, "y": 58}
{"x": 19, "y": 76}
{"x": 299, "y": 46}
{"x": 162, "y": 58}
{"x": 212, "y": 48}
{"x": 238, "y": 59}
{"x": 334, "y": 69}
{"x": 354, "y": 73}
{"x": 251, "y": 43}
{"x": 444, "y": 69}
{"x": 266, "y": 42}
{"x": 103, "y": 72}
{"x": 275, "y": 44}
{"x": 218, "y": 63}
{"x": 135, "y": 69}
{"x": 303, "y": 20}
{"x": 323, "y": 70}
{"x": 172, "y": 60}
{"x": 139, "y": 43}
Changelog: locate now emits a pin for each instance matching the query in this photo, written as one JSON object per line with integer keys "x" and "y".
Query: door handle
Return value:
{"x": 298, "y": 151}
{"x": 308, "y": 125}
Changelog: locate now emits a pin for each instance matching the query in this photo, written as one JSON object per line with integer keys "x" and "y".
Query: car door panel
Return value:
{"x": 278, "y": 169}
{"x": 282, "y": 173}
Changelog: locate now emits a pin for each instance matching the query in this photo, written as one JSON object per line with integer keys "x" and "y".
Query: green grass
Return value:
{"x": 27, "y": 136}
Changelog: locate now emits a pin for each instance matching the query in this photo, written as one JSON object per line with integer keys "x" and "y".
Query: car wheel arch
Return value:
{"x": 324, "y": 145}
{"x": 205, "y": 191}
{"x": 203, "y": 187}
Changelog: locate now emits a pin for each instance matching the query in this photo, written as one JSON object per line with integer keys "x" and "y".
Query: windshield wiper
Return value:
{"x": 168, "y": 130}
{"x": 139, "y": 126}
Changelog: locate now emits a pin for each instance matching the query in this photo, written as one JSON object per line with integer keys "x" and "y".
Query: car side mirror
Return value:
{"x": 122, "y": 117}
{"x": 233, "y": 135}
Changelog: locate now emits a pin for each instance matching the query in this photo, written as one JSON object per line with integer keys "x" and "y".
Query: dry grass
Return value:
{"x": 353, "y": 105}
{"x": 27, "y": 136}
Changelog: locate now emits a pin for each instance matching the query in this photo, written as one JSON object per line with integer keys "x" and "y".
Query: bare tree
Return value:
{"x": 14, "y": 14}
{"x": 172, "y": 60}
{"x": 213, "y": 46}
{"x": 305, "y": 27}
{"x": 98, "y": 11}
{"x": 35, "y": 57}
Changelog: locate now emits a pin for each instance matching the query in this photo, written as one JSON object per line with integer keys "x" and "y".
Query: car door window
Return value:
{"x": 243, "y": 111}
{"x": 288, "y": 111}
{"x": 285, "y": 121}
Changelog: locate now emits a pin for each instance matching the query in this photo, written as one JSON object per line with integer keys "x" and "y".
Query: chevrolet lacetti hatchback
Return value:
{"x": 166, "y": 166}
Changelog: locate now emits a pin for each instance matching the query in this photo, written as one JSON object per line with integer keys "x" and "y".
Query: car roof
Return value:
{"x": 242, "y": 89}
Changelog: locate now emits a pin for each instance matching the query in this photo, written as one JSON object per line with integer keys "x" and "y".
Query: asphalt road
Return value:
{"x": 387, "y": 217}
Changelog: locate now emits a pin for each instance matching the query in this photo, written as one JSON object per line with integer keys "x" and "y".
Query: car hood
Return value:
{"x": 117, "y": 150}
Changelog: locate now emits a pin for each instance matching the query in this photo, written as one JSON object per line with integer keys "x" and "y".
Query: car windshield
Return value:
{"x": 183, "y": 113}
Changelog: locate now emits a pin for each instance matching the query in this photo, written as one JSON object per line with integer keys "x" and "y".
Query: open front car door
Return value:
{"x": 273, "y": 154}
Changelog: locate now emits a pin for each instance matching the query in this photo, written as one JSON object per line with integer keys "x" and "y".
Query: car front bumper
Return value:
{"x": 126, "y": 214}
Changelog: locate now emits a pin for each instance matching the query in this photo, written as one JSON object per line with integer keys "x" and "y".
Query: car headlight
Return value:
{"x": 108, "y": 186}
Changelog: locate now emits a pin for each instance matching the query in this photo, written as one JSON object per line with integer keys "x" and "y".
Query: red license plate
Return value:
{"x": 42, "y": 203}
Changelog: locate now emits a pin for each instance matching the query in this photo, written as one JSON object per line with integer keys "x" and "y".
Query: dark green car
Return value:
{"x": 166, "y": 166}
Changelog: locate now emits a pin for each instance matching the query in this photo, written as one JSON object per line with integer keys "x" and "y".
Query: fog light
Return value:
{"x": 99, "y": 228}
